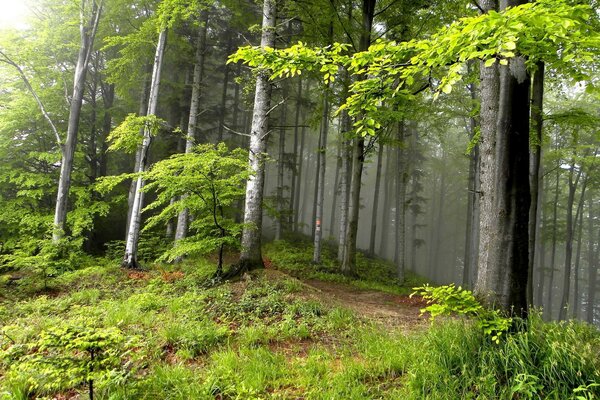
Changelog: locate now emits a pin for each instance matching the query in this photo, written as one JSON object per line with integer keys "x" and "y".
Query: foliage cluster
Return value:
{"x": 451, "y": 300}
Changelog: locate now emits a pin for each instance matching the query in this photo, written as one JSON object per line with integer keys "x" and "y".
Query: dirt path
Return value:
{"x": 392, "y": 311}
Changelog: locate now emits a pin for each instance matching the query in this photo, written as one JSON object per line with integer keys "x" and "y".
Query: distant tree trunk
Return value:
{"x": 592, "y": 263}
{"x": 387, "y": 195}
{"x": 87, "y": 36}
{"x": 439, "y": 220}
{"x": 223, "y": 107}
{"x": 431, "y": 257}
{"x": 358, "y": 157}
{"x": 401, "y": 178}
{"x": 133, "y": 233}
{"x": 236, "y": 100}
{"x": 554, "y": 238}
{"x": 297, "y": 219}
{"x": 376, "y": 199}
{"x": 414, "y": 192}
{"x": 318, "y": 222}
{"x": 344, "y": 185}
{"x": 573, "y": 182}
{"x": 108, "y": 97}
{"x": 183, "y": 217}
{"x": 251, "y": 255}
{"x": 576, "y": 285}
{"x": 535, "y": 179}
{"x": 293, "y": 203}
{"x": 280, "y": 173}
{"x": 336, "y": 183}
{"x": 504, "y": 155}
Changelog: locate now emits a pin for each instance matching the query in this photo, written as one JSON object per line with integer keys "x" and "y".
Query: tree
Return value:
{"x": 251, "y": 256}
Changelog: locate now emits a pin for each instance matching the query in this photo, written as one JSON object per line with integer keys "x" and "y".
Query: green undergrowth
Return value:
{"x": 295, "y": 257}
{"x": 160, "y": 334}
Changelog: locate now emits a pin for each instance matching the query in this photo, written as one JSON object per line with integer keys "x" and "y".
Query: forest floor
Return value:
{"x": 291, "y": 331}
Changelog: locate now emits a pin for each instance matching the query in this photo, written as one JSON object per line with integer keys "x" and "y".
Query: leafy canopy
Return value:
{"x": 562, "y": 34}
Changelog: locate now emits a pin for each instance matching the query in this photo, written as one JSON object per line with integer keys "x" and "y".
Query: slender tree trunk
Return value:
{"x": 133, "y": 233}
{"x": 376, "y": 199}
{"x": 414, "y": 200}
{"x": 554, "y": 239}
{"x": 280, "y": 172}
{"x": 358, "y": 157}
{"x": 344, "y": 186}
{"x": 562, "y": 313}
{"x": 439, "y": 220}
{"x": 223, "y": 107}
{"x": 87, "y": 36}
{"x": 504, "y": 147}
{"x": 143, "y": 111}
{"x": 251, "y": 255}
{"x": 293, "y": 189}
{"x": 576, "y": 286}
{"x": 321, "y": 176}
{"x": 183, "y": 217}
{"x": 387, "y": 197}
{"x": 336, "y": 182}
{"x": 401, "y": 178}
{"x": 297, "y": 218}
{"x": 108, "y": 97}
{"x": 535, "y": 180}
{"x": 592, "y": 263}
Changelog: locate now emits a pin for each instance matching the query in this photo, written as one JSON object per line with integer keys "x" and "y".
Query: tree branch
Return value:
{"x": 7, "y": 60}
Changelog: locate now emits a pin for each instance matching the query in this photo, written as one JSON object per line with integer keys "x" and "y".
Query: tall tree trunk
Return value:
{"x": 183, "y": 217}
{"x": 592, "y": 263}
{"x": 143, "y": 111}
{"x": 472, "y": 236}
{"x": 108, "y": 97}
{"x": 133, "y": 233}
{"x": 401, "y": 178}
{"x": 414, "y": 200}
{"x": 293, "y": 189}
{"x": 541, "y": 246}
{"x": 223, "y": 106}
{"x": 387, "y": 196}
{"x": 251, "y": 255}
{"x": 535, "y": 179}
{"x": 358, "y": 157}
{"x": 344, "y": 185}
{"x": 87, "y": 36}
{"x": 280, "y": 172}
{"x": 504, "y": 147}
{"x": 336, "y": 182}
{"x": 297, "y": 218}
{"x": 376, "y": 199}
{"x": 573, "y": 182}
{"x": 576, "y": 285}
{"x": 321, "y": 176}
{"x": 549, "y": 303}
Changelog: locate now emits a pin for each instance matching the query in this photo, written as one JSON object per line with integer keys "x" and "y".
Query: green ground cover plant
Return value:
{"x": 162, "y": 333}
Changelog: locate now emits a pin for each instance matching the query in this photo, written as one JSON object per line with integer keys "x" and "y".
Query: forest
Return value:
{"x": 299, "y": 199}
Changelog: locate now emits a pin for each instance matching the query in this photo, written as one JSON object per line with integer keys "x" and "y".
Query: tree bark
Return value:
{"x": 133, "y": 233}
{"x": 554, "y": 240}
{"x": 387, "y": 196}
{"x": 87, "y": 36}
{"x": 251, "y": 255}
{"x": 504, "y": 147}
{"x": 344, "y": 185}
